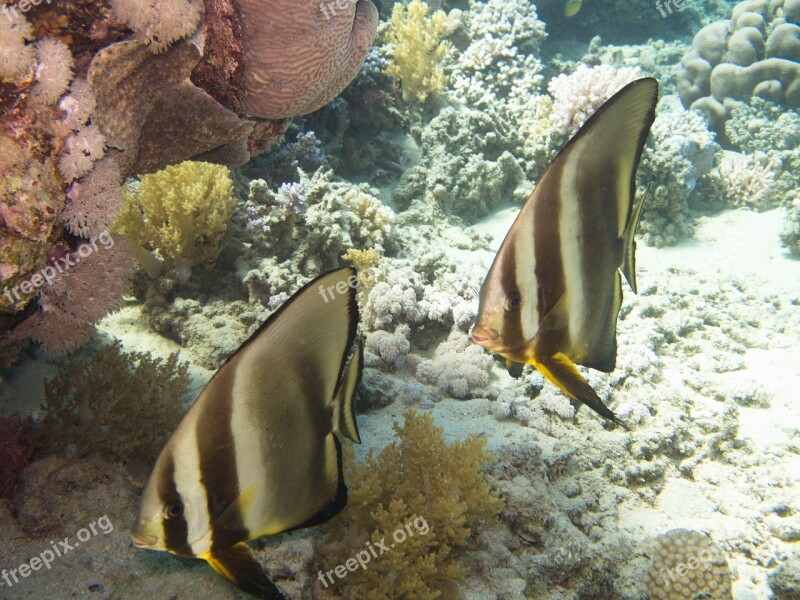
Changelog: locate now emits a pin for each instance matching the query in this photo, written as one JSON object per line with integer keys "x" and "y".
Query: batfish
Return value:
{"x": 257, "y": 453}
{"x": 553, "y": 293}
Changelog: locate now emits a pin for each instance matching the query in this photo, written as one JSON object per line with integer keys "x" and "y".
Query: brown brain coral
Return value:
{"x": 687, "y": 565}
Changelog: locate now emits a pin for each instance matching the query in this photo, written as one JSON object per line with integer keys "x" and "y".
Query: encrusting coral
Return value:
{"x": 458, "y": 367}
{"x": 419, "y": 48}
{"x": 180, "y": 213}
{"x": 119, "y": 405}
{"x": 407, "y": 481}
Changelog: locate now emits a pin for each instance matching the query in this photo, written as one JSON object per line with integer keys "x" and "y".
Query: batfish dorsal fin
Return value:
{"x": 609, "y": 145}
{"x": 316, "y": 328}
{"x": 238, "y": 565}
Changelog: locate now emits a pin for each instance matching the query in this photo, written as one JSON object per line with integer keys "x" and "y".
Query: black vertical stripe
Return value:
{"x": 547, "y": 240}
{"x": 176, "y": 530}
{"x": 512, "y": 334}
{"x": 217, "y": 457}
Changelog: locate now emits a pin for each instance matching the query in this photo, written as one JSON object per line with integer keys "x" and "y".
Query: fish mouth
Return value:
{"x": 141, "y": 540}
{"x": 484, "y": 337}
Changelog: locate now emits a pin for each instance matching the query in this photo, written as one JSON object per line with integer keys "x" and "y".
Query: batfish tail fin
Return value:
{"x": 238, "y": 565}
{"x": 560, "y": 370}
{"x": 344, "y": 411}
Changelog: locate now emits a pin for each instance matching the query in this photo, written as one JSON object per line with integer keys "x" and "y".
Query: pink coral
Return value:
{"x": 54, "y": 71}
{"x": 93, "y": 202}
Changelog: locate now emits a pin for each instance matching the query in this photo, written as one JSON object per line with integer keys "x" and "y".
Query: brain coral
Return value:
{"x": 687, "y": 564}
{"x": 754, "y": 53}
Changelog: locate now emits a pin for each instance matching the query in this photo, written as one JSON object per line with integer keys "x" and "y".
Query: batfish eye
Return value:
{"x": 513, "y": 302}
{"x": 173, "y": 511}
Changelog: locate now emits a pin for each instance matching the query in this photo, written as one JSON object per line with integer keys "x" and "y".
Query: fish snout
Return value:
{"x": 483, "y": 336}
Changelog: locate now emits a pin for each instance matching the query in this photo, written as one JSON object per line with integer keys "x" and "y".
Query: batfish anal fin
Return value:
{"x": 238, "y": 565}
{"x": 629, "y": 249}
{"x": 560, "y": 370}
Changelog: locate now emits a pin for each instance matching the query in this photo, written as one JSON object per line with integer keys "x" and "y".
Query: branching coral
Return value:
{"x": 418, "y": 49}
{"x": 747, "y": 180}
{"x": 578, "y": 95}
{"x": 122, "y": 406}
{"x": 404, "y": 482}
{"x": 181, "y": 213}
{"x": 459, "y": 367}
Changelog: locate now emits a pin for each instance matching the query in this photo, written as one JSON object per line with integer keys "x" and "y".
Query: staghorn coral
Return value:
{"x": 419, "y": 48}
{"x": 99, "y": 404}
{"x": 458, "y": 367}
{"x": 403, "y": 482}
{"x": 756, "y": 53}
{"x": 686, "y": 564}
{"x": 180, "y": 213}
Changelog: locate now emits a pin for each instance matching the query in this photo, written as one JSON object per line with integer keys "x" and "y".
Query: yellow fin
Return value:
{"x": 561, "y": 371}
{"x": 238, "y": 565}
{"x": 236, "y": 510}
{"x": 629, "y": 249}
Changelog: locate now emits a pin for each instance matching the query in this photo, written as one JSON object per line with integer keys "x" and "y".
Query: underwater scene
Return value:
{"x": 399, "y": 300}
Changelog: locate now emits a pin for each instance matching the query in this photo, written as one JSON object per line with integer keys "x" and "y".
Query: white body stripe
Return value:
{"x": 192, "y": 491}
{"x": 570, "y": 225}
{"x": 525, "y": 276}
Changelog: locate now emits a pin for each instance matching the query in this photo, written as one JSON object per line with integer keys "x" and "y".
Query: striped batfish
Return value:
{"x": 553, "y": 293}
{"x": 256, "y": 454}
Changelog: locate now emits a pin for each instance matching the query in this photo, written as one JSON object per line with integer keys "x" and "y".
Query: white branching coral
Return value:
{"x": 54, "y": 71}
{"x": 83, "y": 148}
{"x": 159, "y": 23}
{"x": 579, "y": 95}
{"x": 375, "y": 218}
{"x": 747, "y": 180}
{"x": 394, "y": 301}
{"x": 458, "y": 367}
{"x": 16, "y": 57}
{"x": 503, "y": 54}
{"x": 77, "y": 105}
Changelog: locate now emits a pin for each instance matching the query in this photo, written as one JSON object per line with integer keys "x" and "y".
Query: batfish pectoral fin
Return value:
{"x": 238, "y": 565}
{"x": 344, "y": 411}
{"x": 561, "y": 371}
{"x": 629, "y": 249}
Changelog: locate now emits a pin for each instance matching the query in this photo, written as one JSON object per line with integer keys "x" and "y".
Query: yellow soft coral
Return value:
{"x": 419, "y": 49}
{"x": 181, "y": 212}
{"x": 418, "y": 480}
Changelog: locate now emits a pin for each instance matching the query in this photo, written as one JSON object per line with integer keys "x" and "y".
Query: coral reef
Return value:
{"x": 680, "y": 152}
{"x": 404, "y": 483}
{"x": 13, "y": 456}
{"x": 746, "y": 180}
{"x": 756, "y": 53}
{"x": 418, "y": 49}
{"x": 300, "y": 245}
{"x": 687, "y": 564}
{"x": 785, "y": 580}
{"x": 458, "y": 367}
{"x": 464, "y": 167}
{"x": 180, "y": 213}
{"x": 387, "y": 350}
{"x": 120, "y": 405}
{"x": 790, "y": 236}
